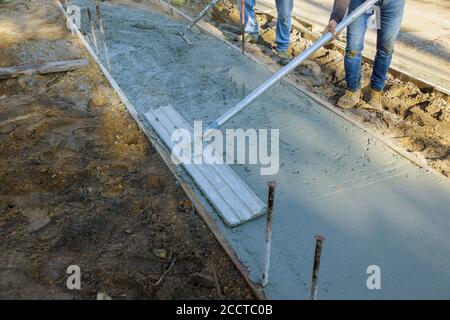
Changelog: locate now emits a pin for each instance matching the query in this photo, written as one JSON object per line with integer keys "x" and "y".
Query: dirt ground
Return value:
{"x": 416, "y": 119}
{"x": 80, "y": 185}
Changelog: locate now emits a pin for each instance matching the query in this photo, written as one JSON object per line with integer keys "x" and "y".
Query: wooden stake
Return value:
{"x": 42, "y": 68}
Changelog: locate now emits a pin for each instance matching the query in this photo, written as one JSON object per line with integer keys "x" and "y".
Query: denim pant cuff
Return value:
{"x": 353, "y": 89}
{"x": 282, "y": 48}
{"x": 376, "y": 87}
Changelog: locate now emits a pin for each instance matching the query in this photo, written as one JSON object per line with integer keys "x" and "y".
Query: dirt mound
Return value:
{"x": 80, "y": 185}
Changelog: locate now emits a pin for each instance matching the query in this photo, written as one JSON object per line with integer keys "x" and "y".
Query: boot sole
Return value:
{"x": 346, "y": 107}
{"x": 368, "y": 106}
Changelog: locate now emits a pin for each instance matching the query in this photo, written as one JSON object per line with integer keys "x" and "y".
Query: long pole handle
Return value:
{"x": 199, "y": 16}
{"x": 291, "y": 66}
{"x": 243, "y": 26}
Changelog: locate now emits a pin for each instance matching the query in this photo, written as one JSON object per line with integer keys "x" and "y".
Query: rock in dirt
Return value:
{"x": 312, "y": 67}
{"x": 103, "y": 296}
{"x": 160, "y": 253}
{"x": 185, "y": 205}
{"x": 230, "y": 28}
{"x": 224, "y": 12}
{"x": 156, "y": 183}
{"x": 269, "y": 36}
{"x": 203, "y": 279}
{"x": 413, "y": 144}
{"x": 177, "y": 3}
{"x": 37, "y": 220}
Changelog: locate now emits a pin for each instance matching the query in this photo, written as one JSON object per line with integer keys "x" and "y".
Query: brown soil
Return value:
{"x": 418, "y": 120}
{"x": 80, "y": 184}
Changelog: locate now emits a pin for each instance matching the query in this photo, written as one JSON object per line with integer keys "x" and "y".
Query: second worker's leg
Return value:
{"x": 355, "y": 44}
{"x": 391, "y": 20}
{"x": 251, "y": 27}
{"x": 283, "y": 31}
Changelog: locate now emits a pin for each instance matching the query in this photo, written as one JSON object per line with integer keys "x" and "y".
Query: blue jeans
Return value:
{"x": 283, "y": 31}
{"x": 391, "y": 19}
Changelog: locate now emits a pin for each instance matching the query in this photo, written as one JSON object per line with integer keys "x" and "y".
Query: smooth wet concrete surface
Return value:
{"x": 372, "y": 206}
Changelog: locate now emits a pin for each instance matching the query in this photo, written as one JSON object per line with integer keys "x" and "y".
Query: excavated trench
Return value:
{"x": 373, "y": 206}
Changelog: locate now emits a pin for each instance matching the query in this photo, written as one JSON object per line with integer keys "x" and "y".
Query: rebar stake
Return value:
{"x": 102, "y": 31}
{"x": 315, "y": 274}
{"x": 92, "y": 27}
{"x": 270, "y": 203}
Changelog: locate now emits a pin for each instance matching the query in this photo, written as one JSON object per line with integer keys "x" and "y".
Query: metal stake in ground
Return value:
{"x": 270, "y": 202}
{"x": 102, "y": 31}
{"x": 92, "y": 27}
{"x": 315, "y": 274}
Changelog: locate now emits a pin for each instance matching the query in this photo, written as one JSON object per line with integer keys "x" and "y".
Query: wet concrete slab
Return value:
{"x": 373, "y": 206}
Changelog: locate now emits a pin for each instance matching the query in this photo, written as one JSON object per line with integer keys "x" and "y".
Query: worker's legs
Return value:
{"x": 355, "y": 45}
{"x": 391, "y": 20}
{"x": 284, "y": 11}
{"x": 251, "y": 25}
